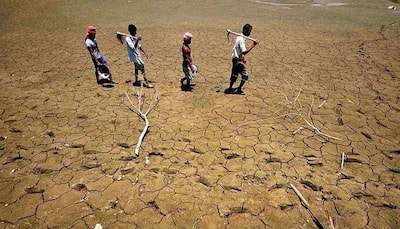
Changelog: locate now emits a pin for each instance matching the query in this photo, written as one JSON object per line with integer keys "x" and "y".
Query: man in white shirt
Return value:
{"x": 239, "y": 61}
{"x": 134, "y": 49}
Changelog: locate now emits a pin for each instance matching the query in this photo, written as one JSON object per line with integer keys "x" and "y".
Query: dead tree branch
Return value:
{"x": 143, "y": 115}
{"x": 296, "y": 106}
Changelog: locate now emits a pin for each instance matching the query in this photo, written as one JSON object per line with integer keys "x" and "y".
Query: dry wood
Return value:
{"x": 331, "y": 223}
{"x": 342, "y": 163}
{"x": 322, "y": 104}
{"x": 307, "y": 206}
{"x": 298, "y": 130}
{"x": 296, "y": 105}
{"x": 305, "y": 202}
{"x": 125, "y": 34}
{"x": 143, "y": 115}
{"x": 311, "y": 123}
{"x": 239, "y": 34}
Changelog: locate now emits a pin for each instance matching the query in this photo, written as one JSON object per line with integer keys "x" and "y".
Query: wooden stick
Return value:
{"x": 307, "y": 206}
{"x": 331, "y": 223}
{"x": 343, "y": 157}
{"x": 311, "y": 123}
{"x": 130, "y": 101}
{"x": 300, "y": 76}
{"x": 239, "y": 34}
{"x": 143, "y": 134}
{"x": 319, "y": 132}
{"x": 125, "y": 34}
{"x": 323, "y": 102}
{"x": 298, "y": 130}
{"x": 305, "y": 202}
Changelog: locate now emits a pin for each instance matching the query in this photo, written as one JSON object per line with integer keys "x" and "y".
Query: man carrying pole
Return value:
{"x": 134, "y": 48}
{"x": 238, "y": 59}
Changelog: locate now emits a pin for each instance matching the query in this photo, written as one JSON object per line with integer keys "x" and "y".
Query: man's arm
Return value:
{"x": 91, "y": 51}
{"x": 251, "y": 47}
{"x": 142, "y": 50}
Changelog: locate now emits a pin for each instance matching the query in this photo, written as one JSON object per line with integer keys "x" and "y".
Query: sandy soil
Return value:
{"x": 324, "y": 82}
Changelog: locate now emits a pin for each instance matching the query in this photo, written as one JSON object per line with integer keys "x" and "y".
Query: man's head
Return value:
{"x": 187, "y": 38}
{"x": 247, "y": 29}
{"x": 91, "y": 31}
{"x": 132, "y": 29}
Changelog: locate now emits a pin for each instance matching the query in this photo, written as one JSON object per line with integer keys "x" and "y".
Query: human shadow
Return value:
{"x": 107, "y": 83}
{"x": 187, "y": 87}
{"x": 233, "y": 91}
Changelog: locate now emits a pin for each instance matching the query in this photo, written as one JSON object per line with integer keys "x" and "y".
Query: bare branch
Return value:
{"x": 138, "y": 110}
{"x": 309, "y": 120}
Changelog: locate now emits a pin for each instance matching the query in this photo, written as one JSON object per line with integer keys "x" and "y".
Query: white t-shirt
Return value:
{"x": 93, "y": 44}
{"x": 133, "y": 52}
{"x": 239, "y": 48}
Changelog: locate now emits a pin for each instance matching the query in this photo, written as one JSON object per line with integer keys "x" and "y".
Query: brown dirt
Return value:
{"x": 216, "y": 160}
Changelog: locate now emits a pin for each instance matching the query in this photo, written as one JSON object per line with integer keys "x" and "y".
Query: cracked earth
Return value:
{"x": 321, "y": 112}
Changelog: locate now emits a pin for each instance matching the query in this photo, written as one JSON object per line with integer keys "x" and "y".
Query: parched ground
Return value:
{"x": 324, "y": 82}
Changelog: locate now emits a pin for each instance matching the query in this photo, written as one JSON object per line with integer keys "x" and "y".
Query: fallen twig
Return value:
{"x": 343, "y": 157}
{"x": 308, "y": 120}
{"x": 311, "y": 123}
{"x": 319, "y": 132}
{"x": 323, "y": 102}
{"x": 331, "y": 223}
{"x": 307, "y": 206}
{"x": 298, "y": 130}
{"x": 303, "y": 200}
{"x": 138, "y": 110}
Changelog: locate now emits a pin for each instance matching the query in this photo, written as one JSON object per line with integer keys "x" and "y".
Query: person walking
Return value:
{"x": 239, "y": 61}
{"x": 187, "y": 65}
{"x": 94, "y": 51}
{"x": 134, "y": 49}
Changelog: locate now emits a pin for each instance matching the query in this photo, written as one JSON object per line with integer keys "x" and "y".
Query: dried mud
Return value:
{"x": 324, "y": 82}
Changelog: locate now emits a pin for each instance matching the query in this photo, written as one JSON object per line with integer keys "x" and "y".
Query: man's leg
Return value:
{"x": 185, "y": 70}
{"x": 232, "y": 81}
{"x": 187, "y": 78}
{"x": 242, "y": 82}
{"x": 96, "y": 73}
{"x": 147, "y": 83}
{"x": 244, "y": 79}
{"x": 136, "y": 74}
{"x": 234, "y": 74}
